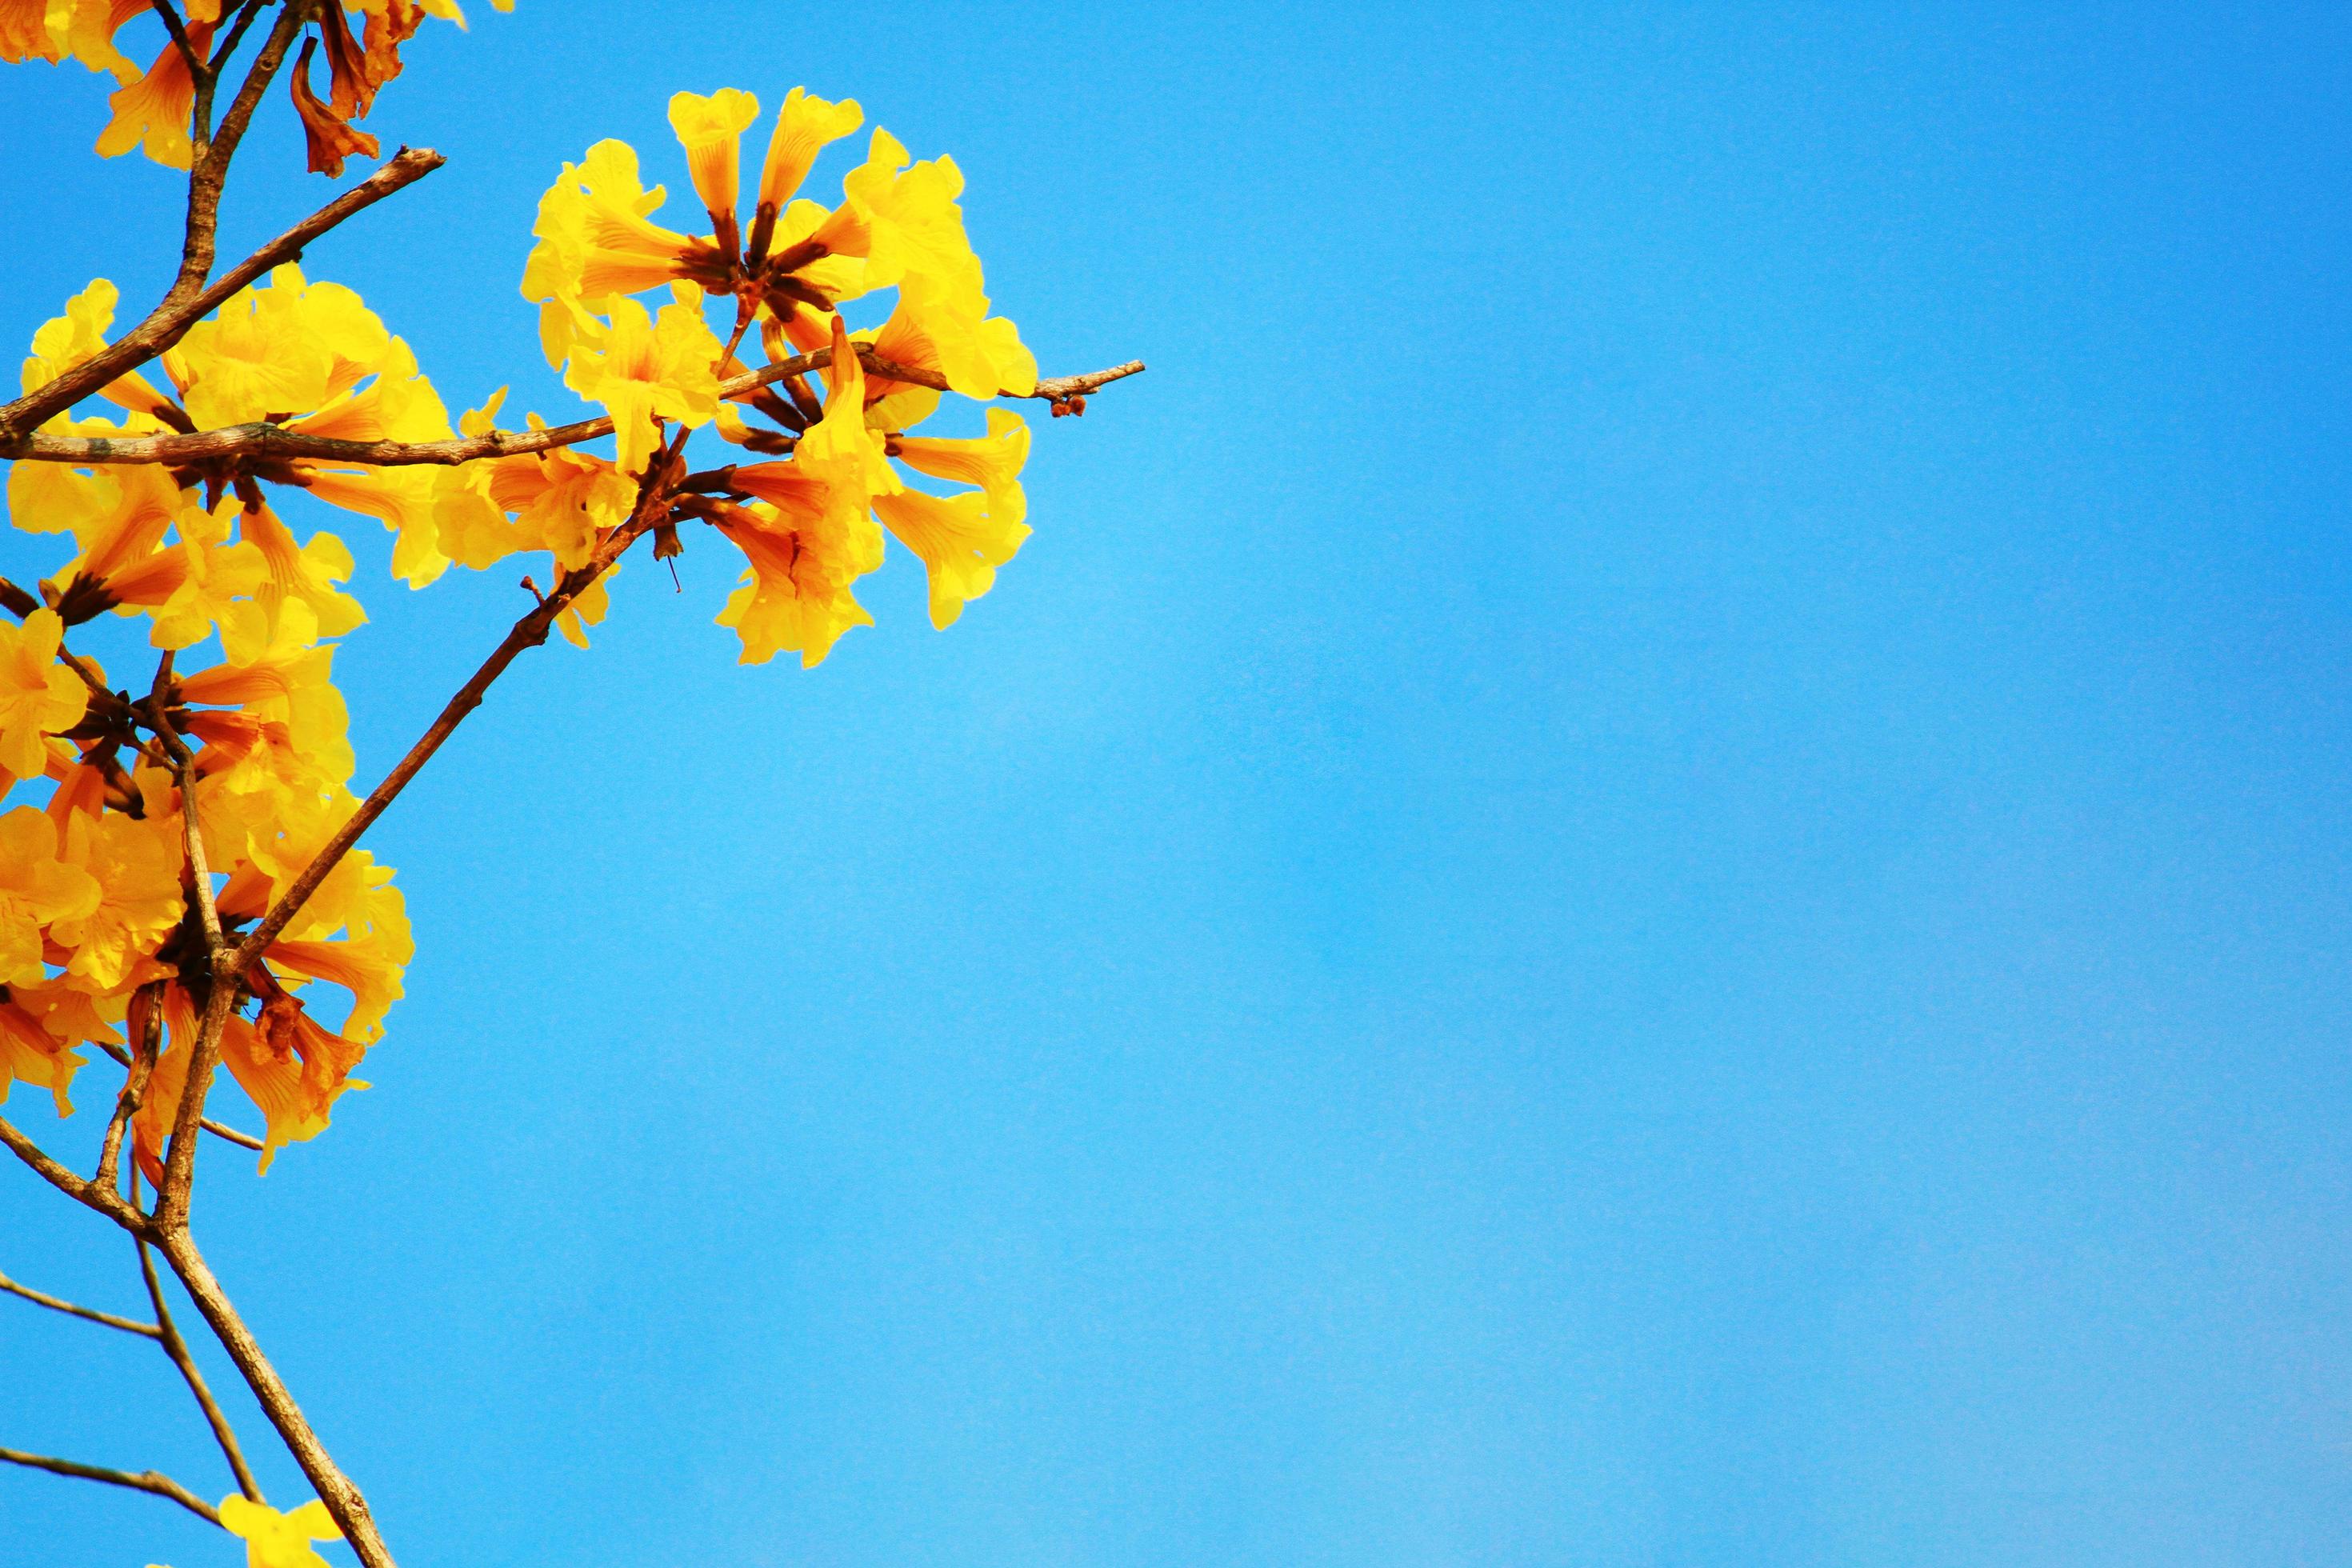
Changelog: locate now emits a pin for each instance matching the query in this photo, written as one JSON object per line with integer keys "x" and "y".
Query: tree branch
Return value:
{"x": 133, "y": 1093}
{"x": 91, "y": 1195}
{"x": 177, "y": 1349}
{"x": 529, "y": 632}
{"x": 88, "y": 1314}
{"x": 228, "y": 1134}
{"x": 191, "y": 832}
{"x": 235, "y": 34}
{"x": 274, "y": 443}
{"x": 169, "y": 321}
{"x": 344, "y": 1503}
{"x": 212, "y": 149}
{"x": 171, "y": 1216}
{"x": 197, "y": 69}
{"x": 162, "y": 1486}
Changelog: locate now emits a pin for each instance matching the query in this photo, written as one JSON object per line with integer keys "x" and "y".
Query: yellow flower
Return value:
{"x": 36, "y": 888}
{"x": 38, "y": 695}
{"x": 805, "y": 127}
{"x": 796, "y": 596}
{"x": 710, "y": 130}
{"x": 218, "y": 576}
{"x": 301, "y": 745}
{"x": 283, "y": 348}
{"x": 960, "y": 545}
{"x": 291, "y": 1068}
{"x": 355, "y": 933}
{"x": 82, "y": 30}
{"x": 152, "y": 113}
{"x": 597, "y": 240}
{"x": 979, "y": 356}
{"x": 64, "y": 341}
{"x": 561, "y": 501}
{"x": 305, "y": 575}
{"x": 30, "y": 1052}
{"x": 313, "y": 357}
{"x": 962, "y": 539}
{"x": 993, "y": 462}
{"x": 643, "y": 368}
{"x": 67, "y": 1010}
{"x": 915, "y": 230}
{"x": 136, "y": 864}
{"x": 274, "y": 1539}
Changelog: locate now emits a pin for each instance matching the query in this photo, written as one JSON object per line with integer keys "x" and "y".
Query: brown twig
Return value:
{"x": 171, "y": 1196}
{"x": 271, "y": 442}
{"x": 344, "y": 1503}
{"x": 530, "y": 631}
{"x": 162, "y": 1486}
{"x": 236, "y": 34}
{"x": 226, "y": 1133}
{"x": 177, "y": 1349}
{"x": 191, "y": 833}
{"x": 210, "y": 152}
{"x": 169, "y": 321}
{"x": 197, "y": 69}
{"x": 134, "y": 1087}
{"x": 88, "y": 1314}
{"x": 220, "y": 996}
{"x": 105, "y": 1200}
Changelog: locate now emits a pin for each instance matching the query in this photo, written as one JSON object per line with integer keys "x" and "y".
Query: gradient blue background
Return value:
{"x": 1648, "y": 868}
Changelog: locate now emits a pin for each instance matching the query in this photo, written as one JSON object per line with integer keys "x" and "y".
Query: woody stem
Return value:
{"x": 529, "y": 632}
{"x": 344, "y": 1503}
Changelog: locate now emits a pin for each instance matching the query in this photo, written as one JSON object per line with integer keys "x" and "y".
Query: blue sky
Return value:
{"x": 1648, "y": 867}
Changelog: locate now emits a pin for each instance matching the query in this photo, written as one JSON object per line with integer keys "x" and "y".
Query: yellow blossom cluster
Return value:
{"x": 181, "y": 881}
{"x": 816, "y": 519}
{"x": 100, "y": 912}
{"x": 98, "y": 929}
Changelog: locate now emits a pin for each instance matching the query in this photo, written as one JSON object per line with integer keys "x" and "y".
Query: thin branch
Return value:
{"x": 91, "y": 1195}
{"x": 171, "y": 1216}
{"x": 197, "y": 69}
{"x": 529, "y": 632}
{"x": 229, "y": 1134}
{"x": 169, "y": 321}
{"x": 88, "y": 1314}
{"x": 162, "y": 1486}
{"x": 212, "y": 149}
{"x": 150, "y": 1004}
{"x": 344, "y": 1503}
{"x": 235, "y": 34}
{"x": 274, "y": 443}
{"x": 177, "y": 1349}
{"x": 191, "y": 832}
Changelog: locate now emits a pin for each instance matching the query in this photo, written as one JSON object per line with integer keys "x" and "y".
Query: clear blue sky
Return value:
{"x": 1649, "y": 865}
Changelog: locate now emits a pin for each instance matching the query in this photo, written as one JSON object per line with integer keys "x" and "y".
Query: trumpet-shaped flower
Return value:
{"x": 29, "y": 1052}
{"x": 962, "y": 539}
{"x": 915, "y": 233}
{"x": 278, "y": 350}
{"x": 292, "y": 1070}
{"x": 368, "y": 959}
{"x": 152, "y": 112}
{"x": 960, "y": 545}
{"x": 597, "y": 238}
{"x": 36, "y": 888}
{"x": 38, "y": 695}
{"x": 219, "y": 577}
{"x": 291, "y": 574}
{"x": 274, "y": 1539}
{"x": 643, "y": 368}
{"x": 136, "y": 864}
